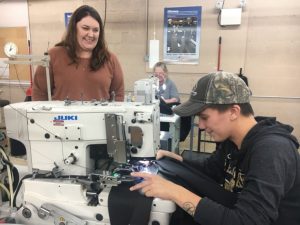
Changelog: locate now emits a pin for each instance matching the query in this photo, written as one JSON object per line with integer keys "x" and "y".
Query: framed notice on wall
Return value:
{"x": 182, "y": 26}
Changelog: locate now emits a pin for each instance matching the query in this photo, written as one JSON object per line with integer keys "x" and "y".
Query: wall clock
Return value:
{"x": 10, "y": 49}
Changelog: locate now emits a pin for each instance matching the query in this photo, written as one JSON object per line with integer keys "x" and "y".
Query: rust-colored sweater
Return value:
{"x": 78, "y": 82}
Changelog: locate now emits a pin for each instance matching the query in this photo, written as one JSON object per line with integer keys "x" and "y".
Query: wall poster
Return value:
{"x": 67, "y": 18}
{"x": 182, "y": 27}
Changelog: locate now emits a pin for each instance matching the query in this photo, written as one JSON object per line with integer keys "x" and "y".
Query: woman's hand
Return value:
{"x": 162, "y": 153}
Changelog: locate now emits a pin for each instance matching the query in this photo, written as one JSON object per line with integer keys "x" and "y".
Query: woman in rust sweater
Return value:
{"x": 81, "y": 67}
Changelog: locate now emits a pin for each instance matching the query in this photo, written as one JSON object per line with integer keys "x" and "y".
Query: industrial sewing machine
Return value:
{"x": 77, "y": 152}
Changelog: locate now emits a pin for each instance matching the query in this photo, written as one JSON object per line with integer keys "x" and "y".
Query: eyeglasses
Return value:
{"x": 159, "y": 74}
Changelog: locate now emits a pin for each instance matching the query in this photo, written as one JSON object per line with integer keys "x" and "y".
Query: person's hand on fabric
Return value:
{"x": 155, "y": 186}
{"x": 158, "y": 187}
{"x": 162, "y": 153}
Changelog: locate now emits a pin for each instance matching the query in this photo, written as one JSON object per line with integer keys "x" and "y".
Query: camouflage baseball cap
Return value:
{"x": 215, "y": 88}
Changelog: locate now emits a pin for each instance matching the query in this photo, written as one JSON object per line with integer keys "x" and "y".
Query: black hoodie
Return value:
{"x": 265, "y": 173}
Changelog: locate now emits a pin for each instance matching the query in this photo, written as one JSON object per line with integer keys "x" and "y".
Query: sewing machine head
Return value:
{"x": 80, "y": 137}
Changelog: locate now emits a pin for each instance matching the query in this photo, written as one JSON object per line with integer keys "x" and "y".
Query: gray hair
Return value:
{"x": 161, "y": 65}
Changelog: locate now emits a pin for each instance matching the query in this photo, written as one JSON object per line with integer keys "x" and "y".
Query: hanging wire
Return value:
{"x": 105, "y": 10}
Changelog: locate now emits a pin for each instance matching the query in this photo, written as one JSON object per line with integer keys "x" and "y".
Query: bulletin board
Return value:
{"x": 18, "y": 35}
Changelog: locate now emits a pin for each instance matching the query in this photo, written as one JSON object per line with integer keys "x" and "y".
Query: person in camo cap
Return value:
{"x": 256, "y": 161}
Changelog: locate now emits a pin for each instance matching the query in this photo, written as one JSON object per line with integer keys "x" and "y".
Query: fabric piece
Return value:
{"x": 128, "y": 207}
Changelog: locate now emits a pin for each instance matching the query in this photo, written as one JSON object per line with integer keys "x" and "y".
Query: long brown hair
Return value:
{"x": 100, "y": 53}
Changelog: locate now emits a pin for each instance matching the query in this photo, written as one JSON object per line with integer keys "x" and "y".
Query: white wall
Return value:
{"x": 14, "y": 13}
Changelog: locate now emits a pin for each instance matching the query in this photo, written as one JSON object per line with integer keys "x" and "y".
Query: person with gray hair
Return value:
{"x": 167, "y": 88}
{"x": 254, "y": 175}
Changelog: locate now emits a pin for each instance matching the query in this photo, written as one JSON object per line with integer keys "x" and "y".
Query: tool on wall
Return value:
{"x": 219, "y": 53}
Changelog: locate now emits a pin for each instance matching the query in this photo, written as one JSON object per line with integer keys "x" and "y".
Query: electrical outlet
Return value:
{"x": 242, "y": 3}
{"x": 219, "y": 4}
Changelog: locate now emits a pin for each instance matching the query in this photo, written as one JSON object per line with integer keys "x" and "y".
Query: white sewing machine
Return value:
{"x": 83, "y": 146}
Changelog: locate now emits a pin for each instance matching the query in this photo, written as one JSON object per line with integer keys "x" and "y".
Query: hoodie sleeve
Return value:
{"x": 271, "y": 174}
